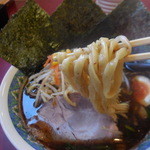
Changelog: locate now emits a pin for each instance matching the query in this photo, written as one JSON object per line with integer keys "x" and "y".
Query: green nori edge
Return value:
{"x": 32, "y": 34}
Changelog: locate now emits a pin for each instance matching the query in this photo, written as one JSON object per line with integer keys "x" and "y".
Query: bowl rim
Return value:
{"x": 5, "y": 120}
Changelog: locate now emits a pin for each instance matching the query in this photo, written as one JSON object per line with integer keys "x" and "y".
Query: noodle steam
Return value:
{"x": 96, "y": 72}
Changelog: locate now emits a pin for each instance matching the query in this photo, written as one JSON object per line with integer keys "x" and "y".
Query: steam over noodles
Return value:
{"x": 96, "y": 72}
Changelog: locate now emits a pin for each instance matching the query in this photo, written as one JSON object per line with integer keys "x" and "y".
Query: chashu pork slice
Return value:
{"x": 71, "y": 123}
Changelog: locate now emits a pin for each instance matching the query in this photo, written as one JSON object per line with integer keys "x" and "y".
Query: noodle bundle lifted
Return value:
{"x": 78, "y": 100}
{"x": 96, "y": 72}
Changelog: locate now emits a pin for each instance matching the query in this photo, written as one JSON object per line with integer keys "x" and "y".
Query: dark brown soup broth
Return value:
{"x": 133, "y": 127}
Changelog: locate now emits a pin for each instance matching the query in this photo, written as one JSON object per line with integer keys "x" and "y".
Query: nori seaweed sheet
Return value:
{"x": 32, "y": 34}
{"x": 130, "y": 18}
{"x": 76, "y": 17}
{"x": 21, "y": 41}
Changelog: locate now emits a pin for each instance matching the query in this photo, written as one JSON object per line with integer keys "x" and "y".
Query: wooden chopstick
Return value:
{"x": 135, "y": 43}
{"x": 140, "y": 42}
{"x": 139, "y": 56}
{"x": 136, "y": 57}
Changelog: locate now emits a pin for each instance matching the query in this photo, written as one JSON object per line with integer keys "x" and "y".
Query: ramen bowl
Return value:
{"x": 10, "y": 118}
